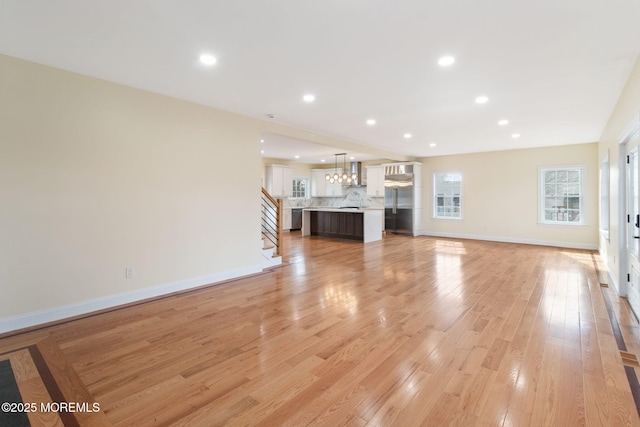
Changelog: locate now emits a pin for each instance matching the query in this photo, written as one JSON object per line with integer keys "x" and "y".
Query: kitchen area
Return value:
{"x": 357, "y": 202}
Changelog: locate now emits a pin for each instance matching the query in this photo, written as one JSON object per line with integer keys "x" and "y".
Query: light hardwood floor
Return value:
{"x": 401, "y": 332}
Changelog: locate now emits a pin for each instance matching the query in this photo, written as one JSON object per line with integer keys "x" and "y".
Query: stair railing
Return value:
{"x": 271, "y": 211}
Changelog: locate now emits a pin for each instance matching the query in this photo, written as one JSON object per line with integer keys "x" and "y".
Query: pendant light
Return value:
{"x": 336, "y": 177}
{"x": 354, "y": 174}
{"x": 332, "y": 178}
{"x": 345, "y": 176}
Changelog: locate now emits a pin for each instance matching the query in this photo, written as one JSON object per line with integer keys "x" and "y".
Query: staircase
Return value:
{"x": 270, "y": 257}
{"x": 271, "y": 225}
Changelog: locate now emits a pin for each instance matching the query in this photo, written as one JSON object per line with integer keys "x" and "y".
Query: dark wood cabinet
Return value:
{"x": 347, "y": 225}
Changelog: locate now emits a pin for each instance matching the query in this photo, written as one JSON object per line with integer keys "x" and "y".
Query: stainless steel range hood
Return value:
{"x": 355, "y": 167}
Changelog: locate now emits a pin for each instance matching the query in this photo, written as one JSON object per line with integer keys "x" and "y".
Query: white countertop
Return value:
{"x": 333, "y": 209}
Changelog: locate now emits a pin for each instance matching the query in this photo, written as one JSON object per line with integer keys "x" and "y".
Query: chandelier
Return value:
{"x": 345, "y": 177}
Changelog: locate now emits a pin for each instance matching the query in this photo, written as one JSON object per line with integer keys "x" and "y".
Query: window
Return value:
{"x": 299, "y": 188}
{"x": 562, "y": 194}
{"x": 447, "y": 195}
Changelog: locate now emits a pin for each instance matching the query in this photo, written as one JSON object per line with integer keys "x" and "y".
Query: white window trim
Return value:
{"x": 307, "y": 187}
{"x": 434, "y": 204}
{"x": 541, "y": 195}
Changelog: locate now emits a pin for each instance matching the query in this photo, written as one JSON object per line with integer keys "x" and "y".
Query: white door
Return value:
{"x": 633, "y": 225}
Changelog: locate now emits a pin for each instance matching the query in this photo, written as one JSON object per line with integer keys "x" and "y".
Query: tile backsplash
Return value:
{"x": 354, "y": 196}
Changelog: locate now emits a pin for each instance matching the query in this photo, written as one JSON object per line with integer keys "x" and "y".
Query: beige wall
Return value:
{"x": 500, "y": 196}
{"x": 626, "y": 111}
{"x": 96, "y": 176}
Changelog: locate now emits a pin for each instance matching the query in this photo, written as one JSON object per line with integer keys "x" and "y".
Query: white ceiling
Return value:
{"x": 276, "y": 146}
{"x": 553, "y": 68}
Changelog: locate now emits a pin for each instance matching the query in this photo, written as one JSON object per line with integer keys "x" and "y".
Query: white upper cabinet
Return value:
{"x": 318, "y": 183}
{"x": 279, "y": 181}
{"x": 375, "y": 181}
{"x": 320, "y": 187}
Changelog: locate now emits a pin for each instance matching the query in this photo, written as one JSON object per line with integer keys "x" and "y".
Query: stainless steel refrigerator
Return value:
{"x": 398, "y": 199}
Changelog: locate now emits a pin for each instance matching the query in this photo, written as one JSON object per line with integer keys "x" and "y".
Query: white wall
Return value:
{"x": 500, "y": 196}
{"x": 627, "y": 109}
{"x": 96, "y": 176}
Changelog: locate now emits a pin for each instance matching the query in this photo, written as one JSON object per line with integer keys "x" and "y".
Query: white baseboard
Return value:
{"x": 512, "y": 240}
{"x": 58, "y": 313}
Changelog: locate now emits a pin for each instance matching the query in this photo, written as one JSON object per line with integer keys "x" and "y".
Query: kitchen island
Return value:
{"x": 364, "y": 225}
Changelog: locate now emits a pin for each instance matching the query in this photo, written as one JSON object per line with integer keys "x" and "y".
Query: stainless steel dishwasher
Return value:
{"x": 296, "y": 219}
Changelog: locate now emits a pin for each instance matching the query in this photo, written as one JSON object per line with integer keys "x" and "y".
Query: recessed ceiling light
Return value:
{"x": 515, "y": 135}
{"x": 309, "y": 98}
{"x": 482, "y": 99}
{"x": 433, "y": 144}
{"x": 262, "y": 141}
{"x": 503, "y": 122}
{"x": 208, "y": 59}
{"x": 323, "y": 160}
{"x": 261, "y": 151}
{"x": 296, "y": 156}
{"x": 371, "y": 122}
{"x": 446, "y": 61}
{"x": 407, "y": 135}
{"x": 352, "y": 158}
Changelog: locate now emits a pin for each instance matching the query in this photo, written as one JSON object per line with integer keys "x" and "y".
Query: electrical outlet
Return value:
{"x": 129, "y": 271}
